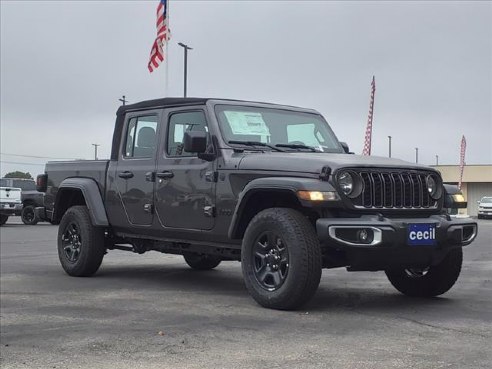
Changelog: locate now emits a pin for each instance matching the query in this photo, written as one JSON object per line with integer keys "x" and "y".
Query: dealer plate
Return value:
{"x": 421, "y": 234}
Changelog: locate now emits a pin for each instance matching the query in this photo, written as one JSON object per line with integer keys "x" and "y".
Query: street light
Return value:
{"x": 186, "y": 48}
{"x": 417, "y": 155}
{"x": 123, "y": 100}
{"x": 95, "y": 150}
{"x": 389, "y": 146}
{"x": 437, "y": 160}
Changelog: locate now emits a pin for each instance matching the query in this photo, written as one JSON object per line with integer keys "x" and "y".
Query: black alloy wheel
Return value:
{"x": 271, "y": 260}
{"x": 71, "y": 242}
{"x": 28, "y": 215}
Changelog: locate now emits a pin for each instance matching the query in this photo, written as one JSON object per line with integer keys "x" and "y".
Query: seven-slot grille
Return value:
{"x": 393, "y": 190}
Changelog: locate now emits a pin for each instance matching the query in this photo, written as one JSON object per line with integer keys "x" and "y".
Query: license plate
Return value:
{"x": 421, "y": 234}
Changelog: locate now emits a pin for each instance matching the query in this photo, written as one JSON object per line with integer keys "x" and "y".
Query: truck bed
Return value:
{"x": 60, "y": 170}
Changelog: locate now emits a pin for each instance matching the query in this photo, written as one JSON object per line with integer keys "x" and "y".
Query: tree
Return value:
{"x": 18, "y": 174}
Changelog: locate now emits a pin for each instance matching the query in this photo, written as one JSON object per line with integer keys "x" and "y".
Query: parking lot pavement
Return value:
{"x": 152, "y": 311}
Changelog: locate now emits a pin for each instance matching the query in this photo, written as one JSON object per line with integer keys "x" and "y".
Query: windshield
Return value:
{"x": 486, "y": 200}
{"x": 290, "y": 130}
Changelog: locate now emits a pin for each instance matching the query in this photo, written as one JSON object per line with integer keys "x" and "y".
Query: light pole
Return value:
{"x": 417, "y": 155}
{"x": 389, "y": 146}
{"x": 95, "y": 150}
{"x": 186, "y": 48}
{"x": 123, "y": 100}
{"x": 437, "y": 160}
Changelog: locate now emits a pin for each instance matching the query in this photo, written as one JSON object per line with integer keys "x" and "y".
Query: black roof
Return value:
{"x": 164, "y": 102}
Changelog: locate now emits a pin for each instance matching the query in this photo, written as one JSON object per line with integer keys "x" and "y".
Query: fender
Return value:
{"x": 275, "y": 184}
{"x": 92, "y": 196}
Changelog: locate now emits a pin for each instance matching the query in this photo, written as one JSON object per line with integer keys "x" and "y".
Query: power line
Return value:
{"x": 33, "y": 156}
{"x": 17, "y": 162}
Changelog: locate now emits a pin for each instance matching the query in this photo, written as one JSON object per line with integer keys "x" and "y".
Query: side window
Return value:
{"x": 140, "y": 137}
{"x": 179, "y": 123}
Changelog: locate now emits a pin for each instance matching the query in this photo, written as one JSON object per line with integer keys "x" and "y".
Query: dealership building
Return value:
{"x": 477, "y": 182}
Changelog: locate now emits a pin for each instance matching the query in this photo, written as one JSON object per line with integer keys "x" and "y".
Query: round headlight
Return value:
{"x": 346, "y": 183}
{"x": 433, "y": 187}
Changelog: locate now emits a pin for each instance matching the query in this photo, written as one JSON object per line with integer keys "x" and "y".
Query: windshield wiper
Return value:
{"x": 256, "y": 143}
{"x": 297, "y": 146}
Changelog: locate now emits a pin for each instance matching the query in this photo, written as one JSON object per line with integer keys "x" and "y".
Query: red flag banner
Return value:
{"x": 368, "y": 139}
{"x": 163, "y": 35}
{"x": 462, "y": 159}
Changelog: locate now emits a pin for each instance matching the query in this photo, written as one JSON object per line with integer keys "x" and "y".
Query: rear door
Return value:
{"x": 184, "y": 183}
{"x": 136, "y": 166}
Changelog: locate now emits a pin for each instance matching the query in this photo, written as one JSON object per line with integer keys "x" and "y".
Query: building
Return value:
{"x": 477, "y": 182}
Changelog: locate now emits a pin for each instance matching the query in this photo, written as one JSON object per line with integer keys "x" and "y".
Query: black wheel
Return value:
{"x": 3, "y": 219}
{"x": 80, "y": 244}
{"x": 28, "y": 216}
{"x": 281, "y": 259}
{"x": 201, "y": 261}
{"x": 428, "y": 282}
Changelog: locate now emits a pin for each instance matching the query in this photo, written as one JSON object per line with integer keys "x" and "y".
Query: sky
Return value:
{"x": 65, "y": 64}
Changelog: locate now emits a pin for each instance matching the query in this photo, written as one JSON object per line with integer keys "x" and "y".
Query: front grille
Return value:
{"x": 393, "y": 190}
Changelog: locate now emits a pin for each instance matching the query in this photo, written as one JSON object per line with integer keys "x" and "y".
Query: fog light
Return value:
{"x": 365, "y": 235}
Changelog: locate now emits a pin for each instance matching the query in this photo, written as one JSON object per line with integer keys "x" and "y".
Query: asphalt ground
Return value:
{"x": 152, "y": 311}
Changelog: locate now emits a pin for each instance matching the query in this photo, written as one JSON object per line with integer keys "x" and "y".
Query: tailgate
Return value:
{"x": 10, "y": 195}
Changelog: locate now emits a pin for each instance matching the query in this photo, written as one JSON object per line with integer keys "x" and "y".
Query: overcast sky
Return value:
{"x": 64, "y": 64}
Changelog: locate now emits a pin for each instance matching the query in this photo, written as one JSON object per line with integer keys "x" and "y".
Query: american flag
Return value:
{"x": 462, "y": 159}
{"x": 163, "y": 35}
{"x": 368, "y": 139}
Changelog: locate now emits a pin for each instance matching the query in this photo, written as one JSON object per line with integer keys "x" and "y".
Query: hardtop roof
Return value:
{"x": 185, "y": 101}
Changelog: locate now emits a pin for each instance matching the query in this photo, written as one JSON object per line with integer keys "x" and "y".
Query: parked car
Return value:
{"x": 10, "y": 202}
{"x": 29, "y": 196}
{"x": 485, "y": 207}
{"x": 268, "y": 185}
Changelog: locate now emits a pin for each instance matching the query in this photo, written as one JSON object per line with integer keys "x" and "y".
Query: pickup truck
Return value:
{"x": 10, "y": 202}
{"x": 267, "y": 185}
{"x": 29, "y": 196}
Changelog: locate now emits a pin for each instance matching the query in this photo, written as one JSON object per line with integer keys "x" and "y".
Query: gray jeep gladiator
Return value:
{"x": 268, "y": 185}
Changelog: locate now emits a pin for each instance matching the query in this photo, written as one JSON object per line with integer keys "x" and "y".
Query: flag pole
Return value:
{"x": 168, "y": 36}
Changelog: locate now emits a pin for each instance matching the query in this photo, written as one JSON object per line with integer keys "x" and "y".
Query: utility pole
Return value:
{"x": 437, "y": 160}
{"x": 123, "y": 100}
{"x": 416, "y": 155}
{"x": 95, "y": 150}
{"x": 186, "y": 48}
{"x": 389, "y": 146}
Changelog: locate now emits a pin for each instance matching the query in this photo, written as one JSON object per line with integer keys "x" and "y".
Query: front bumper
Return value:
{"x": 10, "y": 208}
{"x": 388, "y": 244}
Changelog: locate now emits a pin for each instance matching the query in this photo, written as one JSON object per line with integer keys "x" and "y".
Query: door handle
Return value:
{"x": 125, "y": 175}
{"x": 165, "y": 175}
{"x": 150, "y": 176}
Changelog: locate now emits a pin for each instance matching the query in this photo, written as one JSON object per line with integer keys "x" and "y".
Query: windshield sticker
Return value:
{"x": 247, "y": 123}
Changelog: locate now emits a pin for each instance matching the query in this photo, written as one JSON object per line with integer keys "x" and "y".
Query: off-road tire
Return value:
{"x": 3, "y": 219}
{"x": 28, "y": 215}
{"x": 438, "y": 279}
{"x": 201, "y": 261}
{"x": 299, "y": 239}
{"x": 91, "y": 246}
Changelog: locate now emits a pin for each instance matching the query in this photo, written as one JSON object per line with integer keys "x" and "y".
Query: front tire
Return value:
{"x": 429, "y": 282}
{"x": 80, "y": 244}
{"x": 28, "y": 215}
{"x": 201, "y": 262}
{"x": 3, "y": 219}
{"x": 281, "y": 259}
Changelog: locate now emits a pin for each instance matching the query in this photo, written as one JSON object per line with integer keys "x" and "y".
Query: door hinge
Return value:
{"x": 211, "y": 176}
{"x": 209, "y": 211}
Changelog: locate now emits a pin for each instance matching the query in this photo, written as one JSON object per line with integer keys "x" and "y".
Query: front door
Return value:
{"x": 134, "y": 172}
{"x": 184, "y": 183}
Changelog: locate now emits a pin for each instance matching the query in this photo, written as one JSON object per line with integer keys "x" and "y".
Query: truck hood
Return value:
{"x": 307, "y": 162}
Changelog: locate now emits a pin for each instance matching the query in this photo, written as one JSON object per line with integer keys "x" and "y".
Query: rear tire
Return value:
{"x": 201, "y": 261}
{"x": 281, "y": 259}
{"x": 80, "y": 244}
{"x": 28, "y": 215}
{"x": 429, "y": 282}
{"x": 3, "y": 219}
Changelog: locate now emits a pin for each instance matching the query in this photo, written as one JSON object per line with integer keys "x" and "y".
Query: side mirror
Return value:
{"x": 346, "y": 148}
{"x": 195, "y": 141}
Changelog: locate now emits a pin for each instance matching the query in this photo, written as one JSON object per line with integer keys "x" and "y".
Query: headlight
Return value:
{"x": 346, "y": 183}
{"x": 433, "y": 187}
